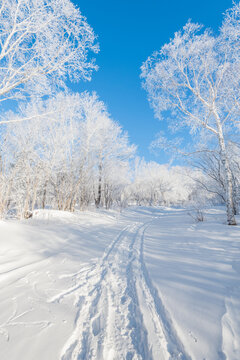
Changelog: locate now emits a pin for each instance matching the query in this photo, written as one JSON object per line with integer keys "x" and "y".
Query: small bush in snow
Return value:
{"x": 197, "y": 215}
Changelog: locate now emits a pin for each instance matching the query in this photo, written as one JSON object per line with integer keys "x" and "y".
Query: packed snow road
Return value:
{"x": 163, "y": 288}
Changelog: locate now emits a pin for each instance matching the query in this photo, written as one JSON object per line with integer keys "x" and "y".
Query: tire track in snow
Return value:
{"x": 125, "y": 337}
{"x": 121, "y": 316}
{"x": 163, "y": 339}
{"x": 85, "y": 342}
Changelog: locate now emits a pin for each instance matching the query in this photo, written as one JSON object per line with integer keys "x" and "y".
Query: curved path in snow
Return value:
{"x": 120, "y": 314}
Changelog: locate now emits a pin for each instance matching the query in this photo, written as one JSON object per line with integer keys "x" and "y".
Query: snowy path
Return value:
{"x": 120, "y": 313}
{"x": 120, "y": 287}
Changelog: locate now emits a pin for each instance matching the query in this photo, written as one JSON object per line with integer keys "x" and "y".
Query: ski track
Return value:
{"x": 120, "y": 314}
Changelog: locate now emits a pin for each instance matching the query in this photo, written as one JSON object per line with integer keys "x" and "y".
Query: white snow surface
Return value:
{"x": 145, "y": 284}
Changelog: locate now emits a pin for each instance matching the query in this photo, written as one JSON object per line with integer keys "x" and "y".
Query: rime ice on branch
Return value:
{"x": 195, "y": 80}
{"x": 41, "y": 43}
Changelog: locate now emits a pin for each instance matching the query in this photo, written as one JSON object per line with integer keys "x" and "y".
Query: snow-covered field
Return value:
{"x": 144, "y": 284}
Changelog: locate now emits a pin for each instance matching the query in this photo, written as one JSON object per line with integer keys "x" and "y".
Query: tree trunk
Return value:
{"x": 34, "y": 197}
{"x": 99, "y": 193}
{"x": 228, "y": 175}
{"x": 229, "y": 192}
{"x": 44, "y": 195}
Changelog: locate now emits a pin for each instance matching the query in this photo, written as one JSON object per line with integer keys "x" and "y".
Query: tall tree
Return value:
{"x": 192, "y": 81}
{"x": 42, "y": 42}
{"x": 72, "y": 154}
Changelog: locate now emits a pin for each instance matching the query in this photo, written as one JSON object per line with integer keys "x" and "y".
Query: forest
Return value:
{"x": 61, "y": 149}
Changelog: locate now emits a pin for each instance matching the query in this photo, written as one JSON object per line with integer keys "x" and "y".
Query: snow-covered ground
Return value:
{"x": 145, "y": 284}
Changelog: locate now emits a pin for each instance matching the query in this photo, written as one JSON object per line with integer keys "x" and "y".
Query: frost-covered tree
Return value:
{"x": 112, "y": 151}
{"x": 72, "y": 154}
{"x": 38, "y": 151}
{"x": 106, "y": 148}
{"x": 152, "y": 181}
{"x": 41, "y": 43}
{"x": 210, "y": 164}
{"x": 194, "y": 81}
{"x": 156, "y": 184}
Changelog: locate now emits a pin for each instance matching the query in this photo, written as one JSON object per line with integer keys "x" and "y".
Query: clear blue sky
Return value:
{"x": 128, "y": 32}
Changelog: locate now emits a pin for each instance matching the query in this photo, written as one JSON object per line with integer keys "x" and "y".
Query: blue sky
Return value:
{"x": 128, "y": 32}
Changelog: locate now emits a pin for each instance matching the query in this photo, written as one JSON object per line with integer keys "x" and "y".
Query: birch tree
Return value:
{"x": 105, "y": 147}
{"x": 72, "y": 154}
{"x": 42, "y": 43}
{"x": 192, "y": 81}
